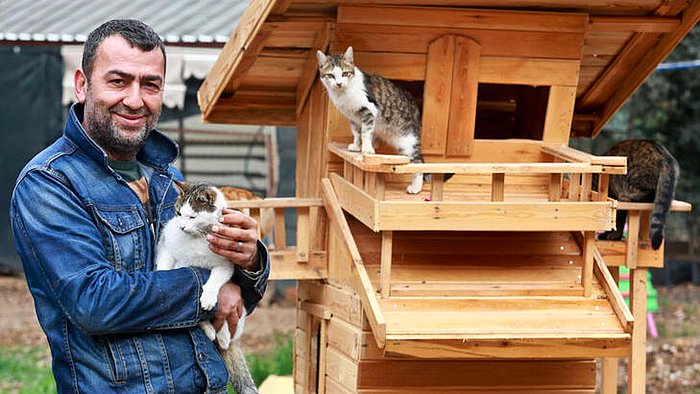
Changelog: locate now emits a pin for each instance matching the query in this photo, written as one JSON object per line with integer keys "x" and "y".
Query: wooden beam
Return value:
{"x": 232, "y": 54}
{"x": 464, "y": 18}
{"x": 636, "y": 376}
{"x": 385, "y": 273}
{"x": 437, "y": 94}
{"x": 365, "y": 289}
{"x": 308, "y": 75}
{"x": 560, "y": 112}
{"x": 613, "y": 292}
{"x": 465, "y": 85}
{"x": 249, "y": 57}
{"x": 631, "y": 24}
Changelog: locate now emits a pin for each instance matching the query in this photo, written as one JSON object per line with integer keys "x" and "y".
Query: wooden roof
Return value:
{"x": 265, "y": 70}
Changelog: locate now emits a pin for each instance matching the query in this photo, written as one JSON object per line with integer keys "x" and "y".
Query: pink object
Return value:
{"x": 651, "y": 325}
{"x": 427, "y": 198}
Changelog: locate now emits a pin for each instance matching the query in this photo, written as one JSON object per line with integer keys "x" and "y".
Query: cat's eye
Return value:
{"x": 347, "y": 73}
{"x": 329, "y": 75}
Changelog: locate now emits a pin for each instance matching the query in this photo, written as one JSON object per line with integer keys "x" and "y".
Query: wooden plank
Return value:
{"x": 249, "y": 58}
{"x": 310, "y": 71}
{"x": 275, "y": 202}
{"x": 465, "y": 18}
{"x": 560, "y": 111}
{"x": 322, "y": 356}
{"x": 476, "y": 216}
{"x": 317, "y": 310}
{"x": 636, "y": 377}
{"x": 437, "y": 187}
{"x": 344, "y": 303}
{"x": 497, "y": 186}
{"x": 462, "y": 108}
{"x": 303, "y": 229}
{"x": 615, "y": 254}
{"x": 356, "y": 201}
{"x": 494, "y": 43}
{"x": 631, "y": 24}
{"x": 611, "y": 289}
{"x": 490, "y": 377}
{"x": 588, "y": 254}
{"x": 509, "y": 348}
{"x": 632, "y": 238}
{"x": 342, "y": 369}
{"x": 609, "y": 364}
{"x": 385, "y": 275}
{"x": 490, "y": 168}
{"x": 437, "y": 94}
{"x": 284, "y": 265}
{"x": 367, "y": 293}
{"x": 676, "y": 205}
{"x": 569, "y": 154}
{"x": 232, "y": 54}
{"x": 529, "y": 71}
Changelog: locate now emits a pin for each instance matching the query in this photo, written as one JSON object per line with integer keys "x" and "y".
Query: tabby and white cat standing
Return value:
{"x": 375, "y": 108}
{"x": 183, "y": 243}
{"x": 652, "y": 174}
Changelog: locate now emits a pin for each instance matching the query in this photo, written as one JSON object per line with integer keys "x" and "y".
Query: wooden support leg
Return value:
{"x": 632, "y": 239}
{"x": 303, "y": 223}
{"x": 497, "y": 186}
{"x": 587, "y": 270}
{"x": 575, "y": 187}
{"x": 609, "y": 368}
{"x": 385, "y": 273}
{"x": 379, "y": 187}
{"x": 436, "y": 187}
{"x": 371, "y": 183}
{"x": 636, "y": 371}
{"x": 279, "y": 229}
{"x": 555, "y": 187}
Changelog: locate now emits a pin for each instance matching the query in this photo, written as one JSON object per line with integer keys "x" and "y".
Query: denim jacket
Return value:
{"x": 87, "y": 243}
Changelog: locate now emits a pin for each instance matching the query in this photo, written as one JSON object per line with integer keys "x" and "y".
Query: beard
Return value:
{"x": 124, "y": 141}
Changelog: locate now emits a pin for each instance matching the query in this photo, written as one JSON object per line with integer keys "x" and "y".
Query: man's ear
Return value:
{"x": 81, "y": 85}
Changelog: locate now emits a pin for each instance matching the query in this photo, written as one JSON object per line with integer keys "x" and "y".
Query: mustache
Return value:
{"x": 123, "y": 109}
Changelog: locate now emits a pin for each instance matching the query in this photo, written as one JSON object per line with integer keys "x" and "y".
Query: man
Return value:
{"x": 86, "y": 213}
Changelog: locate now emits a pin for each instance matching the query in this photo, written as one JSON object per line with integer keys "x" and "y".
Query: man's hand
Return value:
{"x": 230, "y": 307}
{"x": 236, "y": 239}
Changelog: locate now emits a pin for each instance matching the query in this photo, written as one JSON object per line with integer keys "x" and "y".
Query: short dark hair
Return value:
{"x": 137, "y": 33}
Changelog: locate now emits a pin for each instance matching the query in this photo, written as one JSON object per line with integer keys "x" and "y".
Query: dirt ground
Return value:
{"x": 673, "y": 359}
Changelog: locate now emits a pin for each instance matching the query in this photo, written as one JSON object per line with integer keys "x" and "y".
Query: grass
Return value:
{"x": 25, "y": 369}
{"x": 280, "y": 361}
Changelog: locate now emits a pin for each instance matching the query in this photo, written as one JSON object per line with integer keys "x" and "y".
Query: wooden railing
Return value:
{"x": 307, "y": 259}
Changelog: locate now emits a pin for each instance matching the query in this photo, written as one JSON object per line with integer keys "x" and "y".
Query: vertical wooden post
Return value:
{"x": 323, "y": 343}
{"x": 603, "y": 185}
{"x": 348, "y": 171}
{"x": 587, "y": 270}
{"x": 379, "y": 186}
{"x": 644, "y": 226}
{"x": 358, "y": 177}
{"x": 636, "y": 375}
{"x": 632, "y": 238}
{"x": 303, "y": 223}
{"x": 609, "y": 367}
{"x": 575, "y": 187}
{"x": 437, "y": 184}
{"x": 279, "y": 229}
{"x": 555, "y": 187}
{"x": 385, "y": 270}
{"x": 560, "y": 112}
{"x": 497, "y": 186}
{"x": 371, "y": 183}
{"x": 465, "y": 84}
{"x": 586, "y": 185}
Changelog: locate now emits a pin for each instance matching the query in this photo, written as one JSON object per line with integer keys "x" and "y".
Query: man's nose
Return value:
{"x": 133, "y": 97}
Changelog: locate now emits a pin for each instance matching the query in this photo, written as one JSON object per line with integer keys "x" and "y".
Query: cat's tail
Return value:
{"x": 665, "y": 189}
{"x": 239, "y": 374}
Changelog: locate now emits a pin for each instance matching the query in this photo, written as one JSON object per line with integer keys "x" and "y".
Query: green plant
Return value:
{"x": 279, "y": 361}
{"x": 26, "y": 369}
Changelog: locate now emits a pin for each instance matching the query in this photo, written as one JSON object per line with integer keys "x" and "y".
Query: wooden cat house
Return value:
{"x": 492, "y": 281}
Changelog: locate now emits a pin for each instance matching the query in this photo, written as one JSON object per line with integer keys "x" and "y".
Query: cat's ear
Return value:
{"x": 348, "y": 55}
{"x": 321, "y": 57}
{"x": 181, "y": 186}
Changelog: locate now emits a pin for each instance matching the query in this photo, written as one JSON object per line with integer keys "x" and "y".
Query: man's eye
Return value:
{"x": 152, "y": 86}
{"x": 117, "y": 82}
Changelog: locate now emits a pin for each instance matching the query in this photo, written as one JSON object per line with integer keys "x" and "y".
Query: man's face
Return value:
{"x": 123, "y": 97}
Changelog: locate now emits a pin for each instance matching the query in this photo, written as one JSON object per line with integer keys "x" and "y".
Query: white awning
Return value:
{"x": 182, "y": 64}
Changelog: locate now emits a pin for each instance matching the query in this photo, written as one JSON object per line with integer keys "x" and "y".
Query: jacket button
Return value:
{"x": 201, "y": 356}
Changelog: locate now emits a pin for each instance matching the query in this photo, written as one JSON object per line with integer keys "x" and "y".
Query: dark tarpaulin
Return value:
{"x": 31, "y": 118}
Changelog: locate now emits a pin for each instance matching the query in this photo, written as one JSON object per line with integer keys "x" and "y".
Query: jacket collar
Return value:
{"x": 159, "y": 151}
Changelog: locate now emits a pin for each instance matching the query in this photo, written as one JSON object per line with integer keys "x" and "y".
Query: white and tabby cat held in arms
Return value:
{"x": 375, "y": 108}
{"x": 183, "y": 243}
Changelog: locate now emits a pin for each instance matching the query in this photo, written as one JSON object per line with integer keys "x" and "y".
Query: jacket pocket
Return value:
{"x": 124, "y": 236}
{"x": 116, "y": 361}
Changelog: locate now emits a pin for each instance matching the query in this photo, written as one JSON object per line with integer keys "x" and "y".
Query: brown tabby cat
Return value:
{"x": 652, "y": 174}
{"x": 375, "y": 107}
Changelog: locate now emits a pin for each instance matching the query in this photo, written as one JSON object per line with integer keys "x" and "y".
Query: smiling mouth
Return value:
{"x": 131, "y": 120}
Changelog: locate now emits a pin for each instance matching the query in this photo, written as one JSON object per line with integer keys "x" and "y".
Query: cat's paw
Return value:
{"x": 414, "y": 189}
{"x": 223, "y": 337}
{"x": 208, "y": 299}
{"x": 208, "y": 329}
{"x": 368, "y": 150}
{"x": 354, "y": 148}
